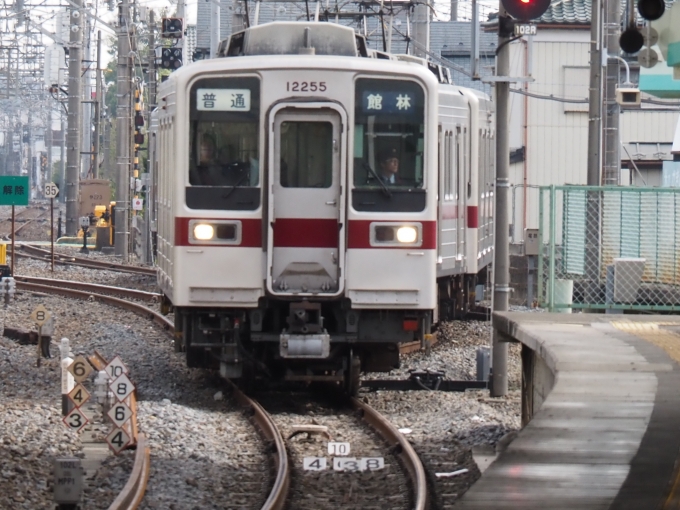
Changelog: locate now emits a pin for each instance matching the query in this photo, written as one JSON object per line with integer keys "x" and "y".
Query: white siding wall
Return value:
{"x": 556, "y": 136}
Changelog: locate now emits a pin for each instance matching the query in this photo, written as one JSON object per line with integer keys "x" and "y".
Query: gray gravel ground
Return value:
{"x": 201, "y": 447}
{"x": 191, "y": 459}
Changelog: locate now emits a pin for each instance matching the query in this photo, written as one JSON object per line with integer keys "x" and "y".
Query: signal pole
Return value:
{"x": 74, "y": 118}
{"x": 501, "y": 262}
{"x": 123, "y": 123}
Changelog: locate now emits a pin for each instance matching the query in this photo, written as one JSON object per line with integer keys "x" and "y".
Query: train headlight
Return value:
{"x": 407, "y": 235}
{"x": 385, "y": 234}
{"x": 203, "y": 232}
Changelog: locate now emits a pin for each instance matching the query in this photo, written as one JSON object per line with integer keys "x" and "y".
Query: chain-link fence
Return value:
{"x": 614, "y": 248}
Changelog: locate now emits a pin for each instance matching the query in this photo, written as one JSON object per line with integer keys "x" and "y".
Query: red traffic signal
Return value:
{"x": 525, "y": 10}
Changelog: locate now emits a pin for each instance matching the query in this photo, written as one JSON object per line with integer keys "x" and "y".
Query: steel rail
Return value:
{"x": 133, "y": 491}
{"x": 279, "y": 492}
{"x": 110, "y": 300}
{"x": 265, "y": 423}
{"x": 93, "y": 287}
{"x": 33, "y": 252}
{"x": 28, "y": 222}
{"x": 402, "y": 447}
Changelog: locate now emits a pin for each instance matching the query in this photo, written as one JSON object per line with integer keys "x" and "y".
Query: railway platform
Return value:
{"x": 601, "y": 403}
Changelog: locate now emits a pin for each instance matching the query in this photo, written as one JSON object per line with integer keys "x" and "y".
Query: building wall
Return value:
{"x": 556, "y": 133}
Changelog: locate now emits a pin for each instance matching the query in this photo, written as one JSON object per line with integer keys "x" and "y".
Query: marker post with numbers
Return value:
{"x": 51, "y": 191}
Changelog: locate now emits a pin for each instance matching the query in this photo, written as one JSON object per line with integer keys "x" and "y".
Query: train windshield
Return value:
{"x": 224, "y": 144}
{"x": 388, "y": 145}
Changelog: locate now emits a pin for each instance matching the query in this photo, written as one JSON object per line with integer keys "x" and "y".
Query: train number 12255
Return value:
{"x": 305, "y": 86}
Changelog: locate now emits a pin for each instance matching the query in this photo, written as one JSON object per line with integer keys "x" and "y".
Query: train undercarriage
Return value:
{"x": 307, "y": 341}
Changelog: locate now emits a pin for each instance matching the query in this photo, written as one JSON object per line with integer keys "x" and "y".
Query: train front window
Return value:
{"x": 388, "y": 146}
{"x": 224, "y": 162}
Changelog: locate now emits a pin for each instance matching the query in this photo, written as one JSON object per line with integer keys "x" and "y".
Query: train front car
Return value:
{"x": 300, "y": 192}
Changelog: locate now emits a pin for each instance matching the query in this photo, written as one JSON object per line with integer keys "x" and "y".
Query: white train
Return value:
{"x": 318, "y": 203}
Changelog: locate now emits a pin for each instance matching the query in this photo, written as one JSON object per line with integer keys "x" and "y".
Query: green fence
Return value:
{"x": 614, "y": 248}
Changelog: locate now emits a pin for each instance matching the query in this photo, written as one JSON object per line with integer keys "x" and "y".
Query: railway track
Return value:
{"x": 29, "y": 251}
{"x": 400, "y": 484}
{"x": 380, "y": 471}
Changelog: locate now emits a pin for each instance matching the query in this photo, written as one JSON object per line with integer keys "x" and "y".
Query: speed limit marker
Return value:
{"x": 122, "y": 387}
{"x": 51, "y": 190}
{"x": 79, "y": 395}
{"x": 119, "y": 413}
{"x": 80, "y": 368}
{"x": 117, "y": 439}
{"x": 40, "y": 315}
{"x": 116, "y": 368}
{"x": 75, "y": 420}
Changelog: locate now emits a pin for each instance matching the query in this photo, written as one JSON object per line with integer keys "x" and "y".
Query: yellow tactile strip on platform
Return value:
{"x": 655, "y": 333}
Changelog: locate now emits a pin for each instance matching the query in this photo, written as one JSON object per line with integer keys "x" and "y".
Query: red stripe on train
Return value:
{"x": 359, "y": 235}
{"x": 251, "y": 232}
{"x": 306, "y": 233}
{"x": 472, "y": 216}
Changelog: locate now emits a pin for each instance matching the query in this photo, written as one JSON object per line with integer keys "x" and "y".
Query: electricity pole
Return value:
{"x": 612, "y": 154}
{"x": 501, "y": 262}
{"x": 123, "y": 123}
{"x": 74, "y": 119}
{"x": 97, "y": 107}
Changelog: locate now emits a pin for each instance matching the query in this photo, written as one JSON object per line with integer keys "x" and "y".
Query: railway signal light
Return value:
{"x": 172, "y": 28}
{"x": 525, "y": 10}
{"x": 631, "y": 40}
{"x": 651, "y": 9}
{"x": 171, "y": 58}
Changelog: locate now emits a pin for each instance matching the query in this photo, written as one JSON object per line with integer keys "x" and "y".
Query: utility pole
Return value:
{"x": 612, "y": 154}
{"x": 49, "y": 143}
{"x": 214, "y": 26}
{"x": 86, "y": 157}
{"x": 594, "y": 152}
{"x": 123, "y": 123}
{"x": 97, "y": 107}
{"x": 152, "y": 63}
{"x": 421, "y": 29}
{"x": 74, "y": 119}
{"x": 501, "y": 263}
{"x": 595, "y": 96}
{"x": 180, "y": 15}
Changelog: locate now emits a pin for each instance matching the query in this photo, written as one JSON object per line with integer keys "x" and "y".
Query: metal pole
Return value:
{"x": 501, "y": 264}
{"x": 97, "y": 107}
{"x": 612, "y": 156}
{"x": 49, "y": 143}
{"x": 74, "y": 120}
{"x": 52, "y": 230}
{"x": 123, "y": 123}
{"x": 62, "y": 161}
{"x": 594, "y": 152}
{"x": 214, "y": 26}
{"x": 13, "y": 240}
{"x": 152, "y": 62}
{"x": 421, "y": 29}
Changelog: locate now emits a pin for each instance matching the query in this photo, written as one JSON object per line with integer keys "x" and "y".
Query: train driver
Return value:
{"x": 207, "y": 168}
{"x": 389, "y": 165}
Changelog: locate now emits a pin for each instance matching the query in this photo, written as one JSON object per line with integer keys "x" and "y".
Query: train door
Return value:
{"x": 306, "y": 243}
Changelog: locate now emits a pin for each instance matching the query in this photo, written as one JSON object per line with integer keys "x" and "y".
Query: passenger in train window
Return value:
{"x": 389, "y": 165}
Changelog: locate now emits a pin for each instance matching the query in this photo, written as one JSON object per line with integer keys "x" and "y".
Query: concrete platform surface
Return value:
{"x": 607, "y": 436}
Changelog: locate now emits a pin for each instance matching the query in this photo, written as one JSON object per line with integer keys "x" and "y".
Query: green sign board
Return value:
{"x": 14, "y": 190}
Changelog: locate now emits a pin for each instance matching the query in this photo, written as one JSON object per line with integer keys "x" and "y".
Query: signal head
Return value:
{"x": 525, "y": 10}
{"x": 651, "y": 9}
{"x": 631, "y": 40}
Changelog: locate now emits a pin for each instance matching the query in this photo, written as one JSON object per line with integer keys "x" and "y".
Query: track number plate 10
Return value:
{"x": 338, "y": 449}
